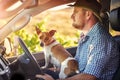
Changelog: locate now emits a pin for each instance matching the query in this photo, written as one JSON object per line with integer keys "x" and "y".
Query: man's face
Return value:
{"x": 78, "y": 18}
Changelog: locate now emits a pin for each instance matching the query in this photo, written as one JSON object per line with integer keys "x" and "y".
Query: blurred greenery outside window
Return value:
{"x": 59, "y": 20}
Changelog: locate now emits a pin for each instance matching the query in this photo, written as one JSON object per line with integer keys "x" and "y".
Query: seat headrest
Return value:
{"x": 114, "y": 17}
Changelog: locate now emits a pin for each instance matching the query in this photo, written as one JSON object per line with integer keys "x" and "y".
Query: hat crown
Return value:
{"x": 92, "y": 5}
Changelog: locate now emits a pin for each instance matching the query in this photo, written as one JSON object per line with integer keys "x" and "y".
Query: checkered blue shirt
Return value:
{"x": 98, "y": 54}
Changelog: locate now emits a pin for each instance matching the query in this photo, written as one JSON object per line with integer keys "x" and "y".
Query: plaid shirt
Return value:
{"x": 98, "y": 53}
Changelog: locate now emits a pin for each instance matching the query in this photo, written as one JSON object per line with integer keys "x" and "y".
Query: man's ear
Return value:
{"x": 38, "y": 31}
{"x": 88, "y": 14}
{"x": 52, "y": 32}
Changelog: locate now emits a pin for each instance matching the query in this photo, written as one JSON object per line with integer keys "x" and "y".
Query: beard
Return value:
{"x": 77, "y": 26}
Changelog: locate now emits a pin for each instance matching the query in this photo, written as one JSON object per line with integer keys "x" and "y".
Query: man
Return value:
{"x": 97, "y": 52}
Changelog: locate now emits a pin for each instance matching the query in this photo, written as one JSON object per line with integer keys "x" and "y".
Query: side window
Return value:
{"x": 57, "y": 19}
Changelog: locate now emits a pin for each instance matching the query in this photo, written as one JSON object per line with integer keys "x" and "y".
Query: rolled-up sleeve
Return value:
{"x": 96, "y": 63}
{"x": 102, "y": 57}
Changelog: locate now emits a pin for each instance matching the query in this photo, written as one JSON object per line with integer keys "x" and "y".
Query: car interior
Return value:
{"x": 114, "y": 19}
{"x": 28, "y": 65}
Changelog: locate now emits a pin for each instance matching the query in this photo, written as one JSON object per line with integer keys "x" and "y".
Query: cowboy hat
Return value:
{"x": 92, "y": 5}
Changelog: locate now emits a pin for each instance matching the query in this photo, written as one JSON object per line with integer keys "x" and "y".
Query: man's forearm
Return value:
{"x": 81, "y": 77}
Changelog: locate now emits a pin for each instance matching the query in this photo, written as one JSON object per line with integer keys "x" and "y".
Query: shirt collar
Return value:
{"x": 83, "y": 38}
{"x": 94, "y": 29}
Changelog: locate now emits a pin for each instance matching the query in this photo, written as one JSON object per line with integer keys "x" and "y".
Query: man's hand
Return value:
{"x": 45, "y": 77}
{"x": 82, "y": 76}
{"x": 75, "y": 77}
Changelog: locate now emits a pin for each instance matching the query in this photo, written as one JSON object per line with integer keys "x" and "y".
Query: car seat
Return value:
{"x": 114, "y": 19}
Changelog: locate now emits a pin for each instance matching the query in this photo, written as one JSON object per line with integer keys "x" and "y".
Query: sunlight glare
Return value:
{"x": 14, "y": 6}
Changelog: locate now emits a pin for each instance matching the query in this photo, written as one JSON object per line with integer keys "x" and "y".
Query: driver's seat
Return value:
{"x": 115, "y": 24}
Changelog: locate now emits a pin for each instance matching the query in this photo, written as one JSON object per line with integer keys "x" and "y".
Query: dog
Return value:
{"x": 56, "y": 54}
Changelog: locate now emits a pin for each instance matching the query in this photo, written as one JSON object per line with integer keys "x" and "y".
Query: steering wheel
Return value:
{"x": 31, "y": 58}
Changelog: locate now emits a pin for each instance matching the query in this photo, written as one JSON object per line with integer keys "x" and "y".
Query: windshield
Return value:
{"x": 23, "y": 13}
{"x": 57, "y": 18}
